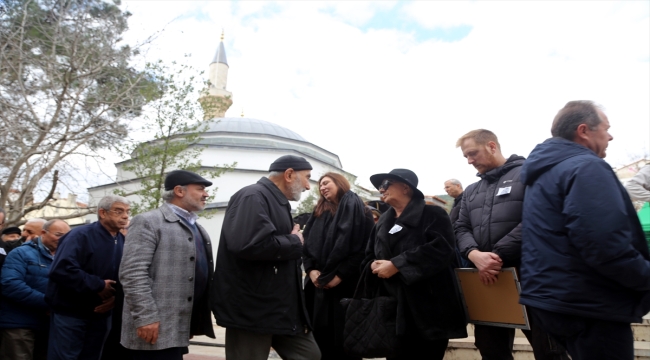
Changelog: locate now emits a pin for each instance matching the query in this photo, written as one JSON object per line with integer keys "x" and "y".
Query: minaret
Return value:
{"x": 217, "y": 99}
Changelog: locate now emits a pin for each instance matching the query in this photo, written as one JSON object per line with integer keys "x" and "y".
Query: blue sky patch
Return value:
{"x": 396, "y": 19}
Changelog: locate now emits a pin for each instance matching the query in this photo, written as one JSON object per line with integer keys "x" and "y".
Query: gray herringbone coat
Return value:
{"x": 157, "y": 274}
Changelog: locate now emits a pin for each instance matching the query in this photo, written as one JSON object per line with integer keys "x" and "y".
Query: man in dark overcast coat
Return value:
{"x": 585, "y": 263}
{"x": 257, "y": 293}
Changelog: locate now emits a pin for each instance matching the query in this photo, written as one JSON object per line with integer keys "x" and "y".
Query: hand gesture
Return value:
{"x": 108, "y": 290}
{"x": 106, "y": 305}
{"x": 383, "y": 268}
{"x": 149, "y": 333}
{"x": 488, "y": 265}
{"x": 333, "y": 282}
{"x": 313, "y": 275}
{"x": 296, "y": 231}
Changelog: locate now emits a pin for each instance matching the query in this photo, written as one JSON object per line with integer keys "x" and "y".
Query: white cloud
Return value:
{"x": 381, "y": 99}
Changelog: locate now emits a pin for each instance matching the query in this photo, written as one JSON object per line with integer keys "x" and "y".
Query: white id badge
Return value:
{"x": 504, "y": 190}
{"x": 395, "y": 229}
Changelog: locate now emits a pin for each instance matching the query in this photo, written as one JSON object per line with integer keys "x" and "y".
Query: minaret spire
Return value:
{"x": 217, "y": 100}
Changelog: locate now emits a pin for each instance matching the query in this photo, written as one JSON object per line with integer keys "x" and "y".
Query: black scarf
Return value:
{"x": 331, "y": 241}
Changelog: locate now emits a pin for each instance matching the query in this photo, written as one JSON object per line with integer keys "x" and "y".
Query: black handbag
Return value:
{"x": 370, "y": 323}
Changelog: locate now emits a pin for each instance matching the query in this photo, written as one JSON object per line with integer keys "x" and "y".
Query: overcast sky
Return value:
{"x": 394, "y": 84}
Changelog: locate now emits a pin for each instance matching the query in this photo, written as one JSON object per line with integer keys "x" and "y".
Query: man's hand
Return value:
{"x": 313, "y": 275}
{"x": 333, "y": 283}
{"x": 108, "y": 290}
{"x": 106, "y": 305}
{"x": 383, "y": 268}
{"x": 296, "y": 231}
{"x": 149, "y": 333}
{"x": 488, "y": 265}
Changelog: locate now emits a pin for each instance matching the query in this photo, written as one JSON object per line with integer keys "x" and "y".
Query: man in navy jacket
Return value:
{"x": 585, "y": 266}
{"x": 24, "y": 319}
{"x": 80, "y": 291}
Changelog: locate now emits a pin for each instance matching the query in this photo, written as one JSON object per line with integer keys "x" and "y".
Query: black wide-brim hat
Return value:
{"x": 402, "y": 175}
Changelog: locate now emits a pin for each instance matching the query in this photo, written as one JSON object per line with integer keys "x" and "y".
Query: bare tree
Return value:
{"x": 66, "y": 89}
{"x": 175, "y": 121}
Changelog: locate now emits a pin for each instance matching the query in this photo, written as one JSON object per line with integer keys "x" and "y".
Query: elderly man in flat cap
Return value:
{"x": 166, "y": 271}
{"x": 257, "y": 294}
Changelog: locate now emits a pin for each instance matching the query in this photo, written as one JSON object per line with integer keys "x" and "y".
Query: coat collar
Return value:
{"x": 496, "y": 173}
{"x": 410, "y": 216}
{"x": 168, "y": 213}
{"x": 274, "y": 190}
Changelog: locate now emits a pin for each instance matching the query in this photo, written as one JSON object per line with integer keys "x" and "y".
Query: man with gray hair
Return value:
{"x": 80, "y": 291}
{"x": 585, "y": 266}
{"x": 166, "y": 273}
{"x": 454, "y": 189}
{"x": 257, "y": 293}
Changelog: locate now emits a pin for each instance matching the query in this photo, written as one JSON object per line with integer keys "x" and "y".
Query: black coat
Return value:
{"x": 490, "y": 213}
{"x": 257, "y": 283}
{"x": 335, "y": 245}
{"x": 425, "y": 287}
{"x": 455, "y": 210}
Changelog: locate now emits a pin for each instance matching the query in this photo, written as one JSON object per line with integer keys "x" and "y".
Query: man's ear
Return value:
{"x": 581, "y": 132}
{"x": 288, "y": 174}
{"x": 492, "y": 146}
{"x": 178, "y": 191}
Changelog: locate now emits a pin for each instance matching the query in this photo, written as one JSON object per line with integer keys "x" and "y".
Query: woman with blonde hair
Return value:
{"x": 335, "y": 240}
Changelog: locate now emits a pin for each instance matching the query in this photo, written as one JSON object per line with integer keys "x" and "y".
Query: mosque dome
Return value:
{"x": 242, "y": 125}
{"x": 240, "y": 132}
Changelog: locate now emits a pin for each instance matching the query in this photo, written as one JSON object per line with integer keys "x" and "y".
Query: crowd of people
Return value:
{"x": 141, "y": 288}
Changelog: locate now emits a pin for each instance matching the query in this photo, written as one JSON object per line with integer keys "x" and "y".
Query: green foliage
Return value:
{"x": 67, "y": 90}
{"x": 309, "y": 202}
{"x": 175, "y": 121}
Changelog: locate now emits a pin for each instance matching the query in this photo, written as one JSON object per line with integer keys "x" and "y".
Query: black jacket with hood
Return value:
{"x": 258, "y": 277}
{"x": 583, "y": 249}
{"x": 490, "y": 213}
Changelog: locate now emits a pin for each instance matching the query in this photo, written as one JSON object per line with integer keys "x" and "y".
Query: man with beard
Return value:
{"x": 488, "y": 233}
{"x": 166, "y": 272}
{"x": 257, "y": 293}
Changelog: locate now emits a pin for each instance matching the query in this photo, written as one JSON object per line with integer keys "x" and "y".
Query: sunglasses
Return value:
{"x": 385, "y": 184}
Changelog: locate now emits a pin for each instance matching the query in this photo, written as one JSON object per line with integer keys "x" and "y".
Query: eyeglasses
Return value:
{"x": 120, "y": 212}
{"x": 385, "y": 184}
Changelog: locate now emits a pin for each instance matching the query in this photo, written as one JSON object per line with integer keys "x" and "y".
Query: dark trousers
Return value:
{"x": 175, "y": 353}
{"x": 587, "y": 338}
{"x": 242, "y": 344}
{"x": 495, "y": 343}
{"x": 77, "y": 339}
{"x": 417, "y": 348}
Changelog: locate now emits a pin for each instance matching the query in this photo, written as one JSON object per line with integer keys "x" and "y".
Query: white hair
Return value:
{"x": 454, "y": 182}
{"x": 107, "y": 201}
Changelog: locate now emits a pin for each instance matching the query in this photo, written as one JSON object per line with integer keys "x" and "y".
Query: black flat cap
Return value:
{"x": 290, "y": 162}
{"x": 402, "y": 175}
{"x": 12, "y": 230}
{"x": 184, "y": 177}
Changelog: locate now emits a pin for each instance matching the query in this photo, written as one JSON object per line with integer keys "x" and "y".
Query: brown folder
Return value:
{"x": 496, "y": 304}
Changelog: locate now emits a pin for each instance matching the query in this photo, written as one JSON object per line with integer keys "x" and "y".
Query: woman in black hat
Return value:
{"x": 335, "y": 240}
{"x": 411, "y": 249}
